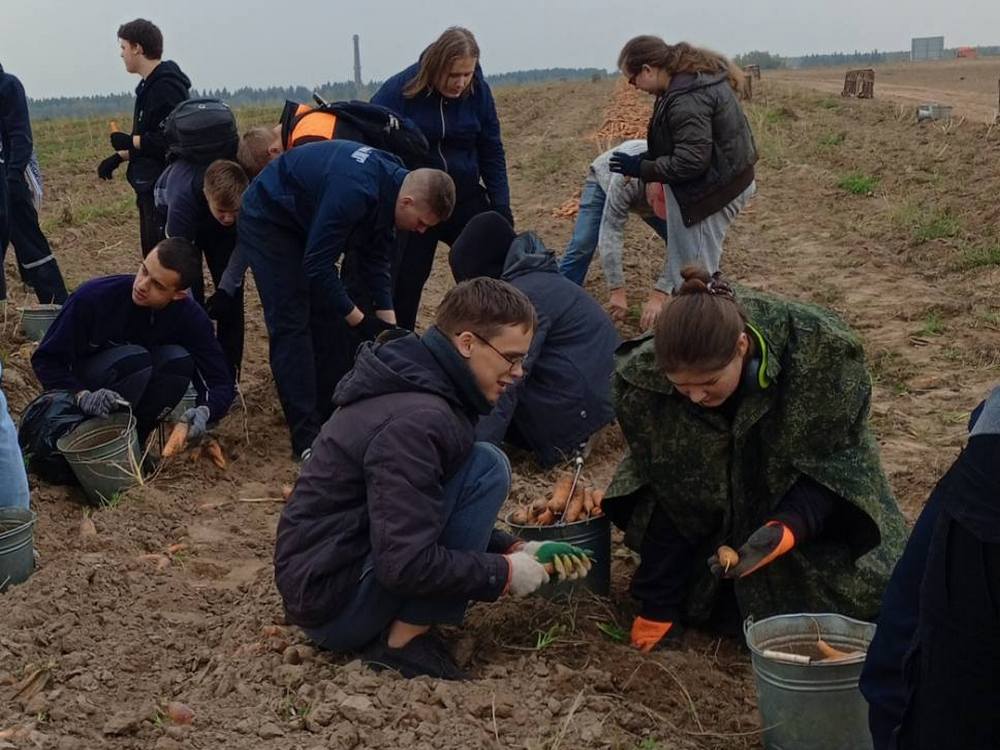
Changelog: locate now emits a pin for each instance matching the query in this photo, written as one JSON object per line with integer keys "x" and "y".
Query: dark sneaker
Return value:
{"x": 424, "y": 655}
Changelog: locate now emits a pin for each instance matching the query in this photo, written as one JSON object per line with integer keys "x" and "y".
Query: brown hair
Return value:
{"x": 432, "y": 187}
{"x": 224, "y": 183}
{"x": 484, "y": 305}
{"x": 699, "y": 329}
{"x": 145, "y": 34}
{"x": 677, "y": 58}
{"x": 455, "y": 43}
{"x": 253, "y": 153}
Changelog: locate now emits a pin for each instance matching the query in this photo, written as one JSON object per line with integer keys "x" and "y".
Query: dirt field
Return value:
{"x": 891, "y": 223}
{"x": 970, "y": 86}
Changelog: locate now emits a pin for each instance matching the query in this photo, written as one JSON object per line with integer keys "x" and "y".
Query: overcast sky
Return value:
{"x": 68, "y": 47}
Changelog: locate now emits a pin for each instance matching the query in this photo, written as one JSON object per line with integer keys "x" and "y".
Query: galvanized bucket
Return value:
{"x": 17, "y": 553}
{"x": 592, "y": 534}
{"x": 188, "y": 401}
{"x": 810, "y": 706}
{"x": 36, "y": 319}
{"x": 104, "y": 455}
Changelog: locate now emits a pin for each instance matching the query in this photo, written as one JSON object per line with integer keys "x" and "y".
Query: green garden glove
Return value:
{"x": 566, "y": 561}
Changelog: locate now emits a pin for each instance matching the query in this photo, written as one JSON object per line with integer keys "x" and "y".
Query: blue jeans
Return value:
{"x": 13, "y": 478}
{"x": 473, "y": 497}
{"x": 580, "y": 250}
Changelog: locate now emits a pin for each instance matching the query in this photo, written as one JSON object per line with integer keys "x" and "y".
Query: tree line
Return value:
{"x": 769, "y": 61}
{"x": 246, "y": 96}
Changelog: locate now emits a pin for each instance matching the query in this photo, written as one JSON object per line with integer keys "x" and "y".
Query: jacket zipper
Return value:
{"x": 440, "y": 150}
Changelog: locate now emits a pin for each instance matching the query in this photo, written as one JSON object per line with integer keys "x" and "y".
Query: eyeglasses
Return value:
{"x": 514, "y": 362}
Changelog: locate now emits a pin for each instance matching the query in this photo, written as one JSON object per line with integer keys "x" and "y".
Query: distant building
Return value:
{"x": 927, "y": 48}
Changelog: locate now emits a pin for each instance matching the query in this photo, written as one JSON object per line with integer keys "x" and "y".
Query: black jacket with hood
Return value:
{"x": 155, "y": 98}
{"x": 373, "y": 486}
{"x": 15, "y": 125}
{"x": 700, "y": 144}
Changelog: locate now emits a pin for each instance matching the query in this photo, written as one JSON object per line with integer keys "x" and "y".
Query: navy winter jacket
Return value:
{"x": 100, "y": 314}
{"x": 15, "y": 127}
{"x": 155, "y": 98}
{"x": 463, "y": 133}
{"x": 338, "y": 195}
{"x": 565, "y": 394}
{"x": 373, "y": 486}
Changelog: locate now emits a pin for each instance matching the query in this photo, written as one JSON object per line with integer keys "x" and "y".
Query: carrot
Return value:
{"x": 546, "y": 518}
{"x": 113, "y": 126}
{"x": 598, "y": 501}
{"x": 538, "y": 506}
{"x": 833, "y": 654}
{"x": 177, "y": 440}
{"x": 520, "y": 517}
{"x": 588, "y": 501}
{"x": 728, "y": 557}
{"x": 575, "y": 507}
{"x": 214, "y": 451}
{"x": 560, "y": 493}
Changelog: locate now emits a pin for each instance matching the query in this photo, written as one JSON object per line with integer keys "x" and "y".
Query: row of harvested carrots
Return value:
{"x": 566, "y": 504}
{"x": 177, "y": 444}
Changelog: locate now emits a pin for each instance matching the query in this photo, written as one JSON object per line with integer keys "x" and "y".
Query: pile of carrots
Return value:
{"x": 625, "y": 118}
{"x": 584, "y": 503}
{"x": 177, "y": 444}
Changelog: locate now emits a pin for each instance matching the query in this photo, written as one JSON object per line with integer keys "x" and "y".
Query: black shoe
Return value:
{"x": 424, "y": 655}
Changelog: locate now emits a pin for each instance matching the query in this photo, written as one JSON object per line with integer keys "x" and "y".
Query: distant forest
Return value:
{"x": 769, "y": 61}
{"x": 105, "y": 104}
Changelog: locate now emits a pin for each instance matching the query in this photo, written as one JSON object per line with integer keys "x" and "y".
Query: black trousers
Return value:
{"x": 35, "y": 260}
{"x": 415, "y": 253}
{"x": 953, "y": 672}
{"x": 150, "y": 226}
{"x": 152, "y": 380}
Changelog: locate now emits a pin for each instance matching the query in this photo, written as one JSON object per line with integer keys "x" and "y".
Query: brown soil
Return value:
{"x": 113, "y": 626}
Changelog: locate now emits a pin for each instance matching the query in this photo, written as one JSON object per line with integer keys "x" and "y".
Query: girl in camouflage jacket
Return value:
{"x": 746, "y": 418}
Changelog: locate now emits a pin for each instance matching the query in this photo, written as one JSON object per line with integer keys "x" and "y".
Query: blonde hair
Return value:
{"x": 253, "y": 153}
{"x": 454, "y": 44}
{"x": 225, "y": 182}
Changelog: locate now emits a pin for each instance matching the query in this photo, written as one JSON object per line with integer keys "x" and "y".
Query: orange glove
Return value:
{"x": 647, "y": 633}
{"x": 765, "y": 545}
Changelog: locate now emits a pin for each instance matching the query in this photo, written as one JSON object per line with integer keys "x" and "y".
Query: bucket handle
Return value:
{"x": 747, "y": 624}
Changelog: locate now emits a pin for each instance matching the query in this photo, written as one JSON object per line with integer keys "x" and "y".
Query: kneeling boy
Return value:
{"x": 140, "y": 339}
{"x": 390, "y": 527}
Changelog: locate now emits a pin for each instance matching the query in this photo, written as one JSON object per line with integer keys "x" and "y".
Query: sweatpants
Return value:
{"x": 35, "y": 260}
{"x": 152, "y": 380}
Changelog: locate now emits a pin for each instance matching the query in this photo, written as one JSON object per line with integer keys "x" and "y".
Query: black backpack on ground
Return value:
{"x": 381, "y": 128}
{"x": 45, "y": 420}
{"x": 201, "y": 131}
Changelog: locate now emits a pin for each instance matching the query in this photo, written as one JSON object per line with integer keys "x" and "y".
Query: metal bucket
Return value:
{"x": 815, "y": 706}
{"x": 104, "y": 455}
{"x": 188, "y": 401}
{"x": 36, "y": 319}
{"x": 591, "y": 534}
{"x": 17, "y": 558}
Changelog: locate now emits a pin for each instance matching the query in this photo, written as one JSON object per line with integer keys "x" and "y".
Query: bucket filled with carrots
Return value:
{"x": 572, "y": 514}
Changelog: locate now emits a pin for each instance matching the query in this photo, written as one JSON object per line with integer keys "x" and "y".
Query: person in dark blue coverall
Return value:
{"x": 447, "y": 97}
{"x": 18, "y": 217}
{"x": 310, "y": 208}
{"x": 932, "y": 675}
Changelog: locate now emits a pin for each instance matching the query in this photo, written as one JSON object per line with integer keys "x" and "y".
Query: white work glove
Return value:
{"x": 527, "y": 575}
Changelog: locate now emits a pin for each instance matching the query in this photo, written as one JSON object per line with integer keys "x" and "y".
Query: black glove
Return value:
{"x": 371, "y": 326}
{"x": 626, "y": 164}
{"x": 219, "y": 305}
{"x": 505, "y": 212}
{"x": 107, "y": 167}
{"x": 98, "y": 403}
{"x": 121, "y": 141}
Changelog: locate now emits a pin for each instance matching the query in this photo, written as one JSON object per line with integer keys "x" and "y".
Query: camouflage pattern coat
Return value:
{"x": 719, "y": 480}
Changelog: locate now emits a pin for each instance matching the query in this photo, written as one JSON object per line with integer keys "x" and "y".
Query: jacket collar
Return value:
{"x": 457, "y": 370}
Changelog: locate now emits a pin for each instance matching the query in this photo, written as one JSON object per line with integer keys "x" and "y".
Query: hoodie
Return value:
{"x": 565, "y": 394}
{"x": 155, "y": 98}
{"x": 372, "y": 489}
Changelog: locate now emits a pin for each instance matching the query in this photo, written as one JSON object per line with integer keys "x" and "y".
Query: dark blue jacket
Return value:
{"x": 100, "y": 314}
{"x": 463, "y": 133}
{"x": 373, "y": 486}
{"x": 15, "y": 127}
{"x": 565, "y": 394}
{"x": 338, "y": 195}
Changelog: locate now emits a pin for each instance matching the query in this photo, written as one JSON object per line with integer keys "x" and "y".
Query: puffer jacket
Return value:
{"x": 700, "y": 144}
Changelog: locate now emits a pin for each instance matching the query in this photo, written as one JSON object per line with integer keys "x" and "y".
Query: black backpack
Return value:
{"x": 201, "y": 131}
{"x": 381, "y": 128}
{"x": 45, "y": 420}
